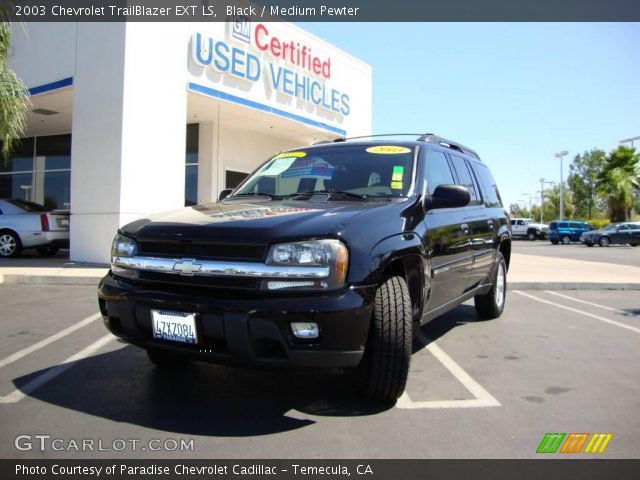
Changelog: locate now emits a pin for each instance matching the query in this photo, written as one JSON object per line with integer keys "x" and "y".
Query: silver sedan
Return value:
{"x": 29, "y": 225}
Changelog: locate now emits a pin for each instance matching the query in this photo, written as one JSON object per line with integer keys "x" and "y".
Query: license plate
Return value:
{"x": 174, "y": 326}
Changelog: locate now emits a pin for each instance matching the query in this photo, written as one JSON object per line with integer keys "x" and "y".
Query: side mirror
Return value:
{"x": 447, "y": 196}
{"x": 224, "y": 193}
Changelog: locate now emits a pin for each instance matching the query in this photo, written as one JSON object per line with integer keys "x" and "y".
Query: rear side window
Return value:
{"x": 553, "y": 226}
{"x": 563, "y": 225}
{"x": 438, "y": 171}
{"x": 488, "y": 185}
{"x": 465, "y": 178}
{"x": 574, "y": 225}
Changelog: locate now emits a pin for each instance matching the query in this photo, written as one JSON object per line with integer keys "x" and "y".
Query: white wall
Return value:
{"x": 43, "y": 52}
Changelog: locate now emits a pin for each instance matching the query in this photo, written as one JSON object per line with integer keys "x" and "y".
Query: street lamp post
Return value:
{"x": 528, "y": 195}
{"x": 630, "y": 140}
{"x": 560, "y": 155}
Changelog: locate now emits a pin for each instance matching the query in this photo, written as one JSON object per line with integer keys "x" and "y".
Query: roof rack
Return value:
{"x": 421, "y": 137}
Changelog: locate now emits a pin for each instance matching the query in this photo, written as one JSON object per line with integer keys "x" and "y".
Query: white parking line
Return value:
{"x": 604, "y": 307}
{"x": 49, "y": 375}
{"x": 483, "y": 397}
{"x": 43, "y": 343}
{"x": 581, "y": 312}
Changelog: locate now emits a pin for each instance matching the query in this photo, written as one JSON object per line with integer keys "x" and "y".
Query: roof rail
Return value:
{"x": 431, "y": 138}
{"x": 421, "y": 137}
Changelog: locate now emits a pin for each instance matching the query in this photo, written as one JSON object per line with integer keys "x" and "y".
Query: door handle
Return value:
{"x": 465, "y": 228}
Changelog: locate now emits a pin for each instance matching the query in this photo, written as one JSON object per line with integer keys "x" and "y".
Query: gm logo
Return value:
{"x": 241, "y": 28}
{"x": 573, "y": 443}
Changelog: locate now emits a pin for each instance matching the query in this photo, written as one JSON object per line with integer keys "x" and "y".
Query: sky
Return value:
{"x": 517, "y": 93}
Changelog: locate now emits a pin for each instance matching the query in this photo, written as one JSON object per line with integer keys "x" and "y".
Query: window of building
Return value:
{"x": 465, "y": 178}
{"x": 191, "y": 166}
{"x": 438, "y": 171}
{"x": 233, "y": 178}
{"x": 40, "y": 172}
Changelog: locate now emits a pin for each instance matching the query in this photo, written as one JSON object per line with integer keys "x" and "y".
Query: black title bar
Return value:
{"x": 326, "y": 10}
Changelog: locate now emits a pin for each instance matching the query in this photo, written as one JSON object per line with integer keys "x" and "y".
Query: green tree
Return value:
{"x": 14, "y": 96}
{"x": 583, "y": 182}
{"x": 619, "y": 182}
{"x": 552, "y": 204}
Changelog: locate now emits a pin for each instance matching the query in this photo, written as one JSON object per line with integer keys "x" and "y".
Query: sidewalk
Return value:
{"x": 526, "y": 272}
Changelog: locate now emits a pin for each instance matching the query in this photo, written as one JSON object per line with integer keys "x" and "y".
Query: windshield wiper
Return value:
{"x": 332, "y": 191}
{"x": 257, "y": 194}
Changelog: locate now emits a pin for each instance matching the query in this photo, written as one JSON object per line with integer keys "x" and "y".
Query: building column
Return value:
{"x": 207, "y": 162}
{"x": 129, "y": 117}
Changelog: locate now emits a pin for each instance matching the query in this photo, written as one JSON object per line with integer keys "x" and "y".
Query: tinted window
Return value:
{"x": 563, "y": 225}
{"x": 623, "y": 227}
{"x": 489, "y": 187}
{"x": 574, "y": 225}
{"x": 553, "y": 226}
{"x": 438, "y": 171}
{"x": 465, "y": 178}
{"x": 521, "y": 222}
{"x": 513, "y": 222}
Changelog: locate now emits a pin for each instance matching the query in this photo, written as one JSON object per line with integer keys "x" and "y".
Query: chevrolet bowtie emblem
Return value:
{"x": 187, "y": 266}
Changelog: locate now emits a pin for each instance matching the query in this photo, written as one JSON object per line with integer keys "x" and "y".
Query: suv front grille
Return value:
{"x": 195, "y": 281}
{"x": 208, "y": 251}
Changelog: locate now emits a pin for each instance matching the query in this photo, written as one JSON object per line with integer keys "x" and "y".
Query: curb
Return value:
{"x": 20, "y": 279}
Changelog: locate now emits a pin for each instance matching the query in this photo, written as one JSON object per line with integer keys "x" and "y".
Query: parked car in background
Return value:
{"x": 527, "y": 228}
{"x": 30, "y": 225}
{"x": 566, "y": 232}
{"x": 620, "y": 233}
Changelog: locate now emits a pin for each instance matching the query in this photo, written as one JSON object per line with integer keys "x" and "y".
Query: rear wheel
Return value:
{"x": 382, "y": 374}
{"x": 10, "y": 245}
{"x": 48, "y": 251}
{"x": 167, "y": 360}
{"x": 531, "y": 235}
{"x": 604, "y": 241}
{"x": 566, "y": 240}
{"x": 491, "y": 304}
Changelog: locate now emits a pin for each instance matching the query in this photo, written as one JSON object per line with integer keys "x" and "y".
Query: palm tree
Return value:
{"x": 618, "y": 180}
{"x": 14, "y": 96}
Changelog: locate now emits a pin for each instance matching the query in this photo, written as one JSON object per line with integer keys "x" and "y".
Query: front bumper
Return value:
{"x": 249, "y": 329}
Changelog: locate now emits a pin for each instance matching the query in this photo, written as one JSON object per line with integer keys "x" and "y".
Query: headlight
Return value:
{"x": 321, "y": 253}
{"x": 123, "y": 246}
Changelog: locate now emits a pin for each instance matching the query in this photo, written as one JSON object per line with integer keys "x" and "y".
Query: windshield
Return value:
{"x": 361, "y": 170}
{"x": 28, "y": 206}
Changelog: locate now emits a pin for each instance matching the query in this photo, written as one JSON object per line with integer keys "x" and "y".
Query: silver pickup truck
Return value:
{"x": 527, "y": 228}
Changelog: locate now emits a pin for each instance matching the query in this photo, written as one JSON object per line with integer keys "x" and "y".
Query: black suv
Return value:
{"x": 331, "y": 255}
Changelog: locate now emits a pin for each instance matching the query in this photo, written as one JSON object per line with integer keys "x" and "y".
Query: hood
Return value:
{"x": 257, "y": 221}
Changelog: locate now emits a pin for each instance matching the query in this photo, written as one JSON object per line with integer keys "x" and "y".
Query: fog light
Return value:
{"x": 305, "y": 329}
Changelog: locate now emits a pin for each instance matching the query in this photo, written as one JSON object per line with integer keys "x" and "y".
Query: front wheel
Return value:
{"x": 382, "y": 373}
{"x": 491, "y": 304}
{"x": 566, "y": 240}
{"x": 604, "y": 242}
{"x": 531, "y": 236}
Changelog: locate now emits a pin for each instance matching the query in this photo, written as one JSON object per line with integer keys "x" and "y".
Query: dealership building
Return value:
{"x": 130, "y": 119}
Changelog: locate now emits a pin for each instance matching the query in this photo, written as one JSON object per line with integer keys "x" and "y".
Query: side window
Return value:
{"x": 438, "y": 171}
{"x": 521, "y": 222}
{"x": 563, "y": 225}
{"x": 623, "y": 227}
{"x": 513, "y": 222}
{"x": 465, "y": 178}
{"x": 488, "y": 184}
{"x": 574, "y": 225}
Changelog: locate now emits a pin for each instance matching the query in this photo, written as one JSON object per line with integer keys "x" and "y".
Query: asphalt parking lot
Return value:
{"x": 554, "y": 362}
{"x": 616, "y": 254}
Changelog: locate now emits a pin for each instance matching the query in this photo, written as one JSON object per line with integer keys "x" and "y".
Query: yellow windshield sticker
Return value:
{"x": 396, "y": 185}
{"x": 388, "y": 149}
{"x": 290, "y": 155}
{"x": 398, "y": 172}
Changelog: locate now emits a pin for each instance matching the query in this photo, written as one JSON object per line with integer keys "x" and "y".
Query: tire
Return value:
{"x": 531, "y": 236}
{"x": 382, "y": 373}
{"x": 48, "y": 251}
{"x": 604, "y": 242}
{"x": 588, "y": 244}
{"x": 491, "y": 304}
{"x": 10, "y": 245}
{"x": 566, "y": 240}
{"x": 167, "y": 360}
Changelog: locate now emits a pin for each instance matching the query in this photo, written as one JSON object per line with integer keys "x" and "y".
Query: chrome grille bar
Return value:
{"x": 190, "y": 267}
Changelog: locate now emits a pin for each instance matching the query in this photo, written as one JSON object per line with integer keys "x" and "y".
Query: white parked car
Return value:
{"x": 29, "y": 225}
{"x": 527, "y": 228}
